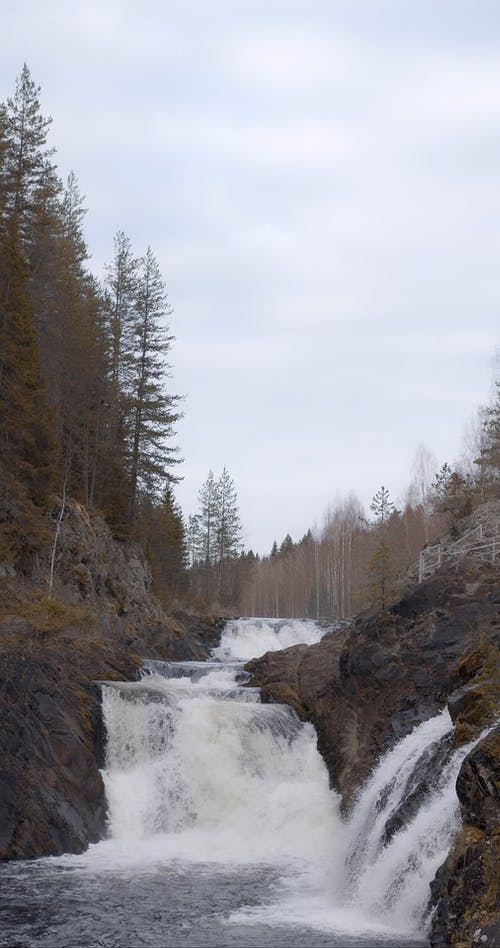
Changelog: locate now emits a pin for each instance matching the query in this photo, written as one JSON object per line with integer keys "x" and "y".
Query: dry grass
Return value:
{"x": 43, "y": 613}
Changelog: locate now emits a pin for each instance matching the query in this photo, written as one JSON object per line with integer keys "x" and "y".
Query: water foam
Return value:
{"x": 243, "y": 639}
{"x": 201, "y": 772}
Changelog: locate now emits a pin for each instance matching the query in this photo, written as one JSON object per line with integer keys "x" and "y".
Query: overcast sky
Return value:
{"x": 320, "y": 181}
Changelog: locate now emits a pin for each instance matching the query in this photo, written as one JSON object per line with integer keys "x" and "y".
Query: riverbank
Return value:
{"x": 367, "y": 685}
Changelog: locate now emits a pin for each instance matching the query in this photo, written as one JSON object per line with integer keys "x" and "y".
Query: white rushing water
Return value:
{"x": 243, "y": 639}
{"x": 199, "y": 772}
{"x": 388, "y": 851}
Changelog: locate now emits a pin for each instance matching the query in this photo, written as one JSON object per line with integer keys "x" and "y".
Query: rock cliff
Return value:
{"x": 368, "y": 684}
{"x": 100, "y": 621}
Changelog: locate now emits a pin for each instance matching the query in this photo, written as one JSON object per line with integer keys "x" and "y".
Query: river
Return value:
{"x": 222, "y": 829}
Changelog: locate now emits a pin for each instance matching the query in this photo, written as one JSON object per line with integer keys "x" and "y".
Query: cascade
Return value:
{"x": 243, "y": 639}
{"x": 197, "y": 769}
{"x": 222, "y": 829}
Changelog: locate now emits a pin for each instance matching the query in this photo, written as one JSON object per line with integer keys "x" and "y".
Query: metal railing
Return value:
{"x": 475, "y": 541}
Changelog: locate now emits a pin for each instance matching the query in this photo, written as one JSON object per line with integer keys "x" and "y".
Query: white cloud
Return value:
{"x": 292, "y": 58}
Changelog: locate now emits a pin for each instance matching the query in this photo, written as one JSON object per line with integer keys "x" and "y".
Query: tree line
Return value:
{"x": 351, "y": 561}
{"x": 86, "y": 407}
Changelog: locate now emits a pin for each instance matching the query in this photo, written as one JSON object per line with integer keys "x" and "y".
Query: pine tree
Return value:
{"x": 207, "y": 521}
{"x": 27, "y": 157}
{"x": 213, "y": 538}
{"x": 73, "y": 213}
{"x": 228, "y": 532}
{"x": 381, "y": 566}
{"x": 27, "y": 454}
{"x": 153, "y": 410}
{"x": 76, "y": 362}
{"x": 382, "y": 507}
{"x": 45, "y": 248}
{"x": 121, "y": 286}
{"x": 160, "y": 530}
{"x": 116, "y": 341}
{"x": 451, "y": 495}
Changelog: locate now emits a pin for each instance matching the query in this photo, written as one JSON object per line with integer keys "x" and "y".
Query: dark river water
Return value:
{"x": 49, "y": 904}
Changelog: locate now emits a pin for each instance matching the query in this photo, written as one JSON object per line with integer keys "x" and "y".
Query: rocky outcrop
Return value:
{"x": 366, "y": 686}
{"x": 51, "y": 791}
{"x": 95, "y": 569}
{"x": 369, "y": 684}
{"x": 467, "y": 887}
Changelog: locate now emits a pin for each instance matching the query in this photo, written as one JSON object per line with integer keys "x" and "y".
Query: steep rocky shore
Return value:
{"x": 368, "y": 684}
{"x": 100, "y": 621}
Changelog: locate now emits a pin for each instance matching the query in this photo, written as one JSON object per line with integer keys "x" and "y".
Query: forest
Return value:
{"x": 87, "y": 411}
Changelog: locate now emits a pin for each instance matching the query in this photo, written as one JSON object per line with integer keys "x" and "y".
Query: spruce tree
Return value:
{"x": 381, "y": 566}
{"x": 228, "y": 526}
{"x": 153, "y": 411}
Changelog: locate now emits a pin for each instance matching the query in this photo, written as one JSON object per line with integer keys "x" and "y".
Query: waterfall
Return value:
{"x": 198, "y": 771}
{"x": 402, "y": 826}
{"x": 243, "y": 639}
{"x": 196, "y": 768}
